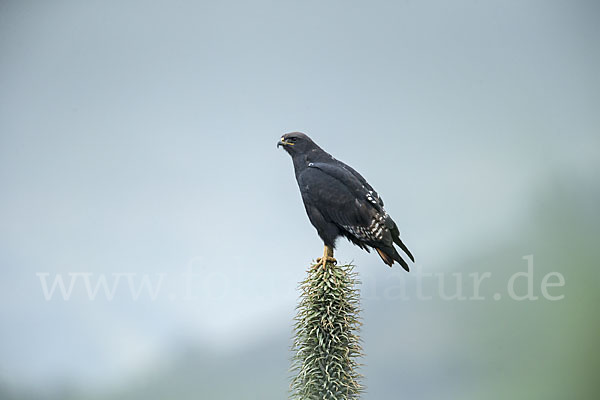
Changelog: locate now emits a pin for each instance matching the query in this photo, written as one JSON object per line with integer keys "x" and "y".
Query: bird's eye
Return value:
{"x": 292, "y": 139}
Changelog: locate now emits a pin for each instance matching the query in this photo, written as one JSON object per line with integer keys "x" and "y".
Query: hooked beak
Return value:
{"x": 282, "y": 142}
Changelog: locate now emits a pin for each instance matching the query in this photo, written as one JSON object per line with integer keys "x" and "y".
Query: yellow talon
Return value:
{"x": 327, "y": 257}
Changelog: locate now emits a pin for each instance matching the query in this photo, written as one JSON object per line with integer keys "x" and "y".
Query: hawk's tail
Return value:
{"x": 405, "y": 249}
{"x": 396, "y": 237}
{"x": 389, "y": 255}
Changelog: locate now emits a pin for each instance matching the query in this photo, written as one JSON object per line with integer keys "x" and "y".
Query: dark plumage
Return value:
{"x": 340, "y": 202}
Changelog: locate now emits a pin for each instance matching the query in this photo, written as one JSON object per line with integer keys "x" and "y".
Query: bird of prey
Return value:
{"x": 340, "y": 202}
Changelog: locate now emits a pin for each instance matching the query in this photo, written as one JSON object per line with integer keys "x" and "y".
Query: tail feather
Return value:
{"x": 405, "y": 249}
{"x": 396, "y": 237}
{"x": 389, "y": 255}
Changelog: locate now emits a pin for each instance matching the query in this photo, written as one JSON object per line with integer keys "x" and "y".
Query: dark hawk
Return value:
{"x": 340, "y": 202}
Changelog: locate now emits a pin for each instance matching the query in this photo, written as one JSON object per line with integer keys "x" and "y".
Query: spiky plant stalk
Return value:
{"x": 326, "y": 343}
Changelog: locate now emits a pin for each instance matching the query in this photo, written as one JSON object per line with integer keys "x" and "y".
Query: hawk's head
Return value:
{"x": 296, "y": 143}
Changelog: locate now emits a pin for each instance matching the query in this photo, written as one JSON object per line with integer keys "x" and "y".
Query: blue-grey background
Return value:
{"x": 139, "y": 137}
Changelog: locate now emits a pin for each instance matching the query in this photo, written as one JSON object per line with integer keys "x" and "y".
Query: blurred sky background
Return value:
{"x": 139, "y": 137}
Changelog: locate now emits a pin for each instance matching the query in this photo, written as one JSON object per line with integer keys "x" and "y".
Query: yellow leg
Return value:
{"x": 327, "y": 257}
